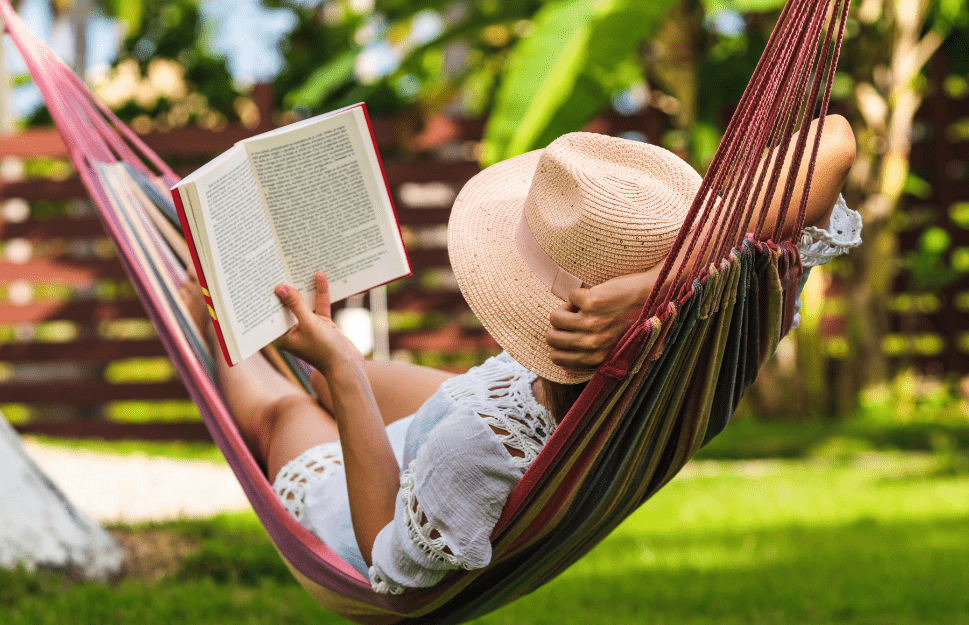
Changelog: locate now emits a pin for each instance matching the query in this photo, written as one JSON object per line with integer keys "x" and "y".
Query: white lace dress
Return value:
{"x": 462, "y": 453}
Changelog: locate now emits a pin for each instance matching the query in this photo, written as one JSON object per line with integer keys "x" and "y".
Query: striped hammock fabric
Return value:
{"x": 669, "y": 386}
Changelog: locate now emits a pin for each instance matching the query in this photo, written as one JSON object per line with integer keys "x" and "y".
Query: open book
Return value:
{"x": 278, "y": 207}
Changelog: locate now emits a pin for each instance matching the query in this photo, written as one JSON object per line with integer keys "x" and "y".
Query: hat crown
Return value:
{"x": 603, "y": 207}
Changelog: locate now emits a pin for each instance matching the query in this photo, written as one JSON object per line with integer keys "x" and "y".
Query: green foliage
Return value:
{"x": 322, "y": 51}
{"x": 130, "y": 12}
{"x": 313, "y": 49}
{"x": 323, "y": 81}
{"x": 743, "y": 6}
{"x": 928, "y": 264}
{"x": 578, "y": 54}
{"x": 170, "y": 30}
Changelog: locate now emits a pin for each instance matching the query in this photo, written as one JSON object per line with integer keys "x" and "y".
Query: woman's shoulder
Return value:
{"x": 478, "y": 383}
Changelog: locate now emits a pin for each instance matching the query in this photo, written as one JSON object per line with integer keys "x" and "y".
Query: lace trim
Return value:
{"x": 316, "y": 463}
{"x": 419, "y": 530}
{"x": 819, "y": 245}
{"x": 383, "y": 587}
{"x": 500, "y": 392}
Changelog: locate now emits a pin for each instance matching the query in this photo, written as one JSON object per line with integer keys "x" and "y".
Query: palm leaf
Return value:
{"x": 323, "y": 81}
{"x": 564, "y": 72}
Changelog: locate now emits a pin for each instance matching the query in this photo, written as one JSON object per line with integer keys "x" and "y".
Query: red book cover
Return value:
{"x": 390, "y": 197}
{"x": 198, "y": 270}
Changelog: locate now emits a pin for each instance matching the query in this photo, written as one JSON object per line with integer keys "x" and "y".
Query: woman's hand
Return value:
{"x": 315, "y": 338}
{"x": 585, "y": 329}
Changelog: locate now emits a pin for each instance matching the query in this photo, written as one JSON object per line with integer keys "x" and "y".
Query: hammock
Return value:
{"x": 668, "y": 387}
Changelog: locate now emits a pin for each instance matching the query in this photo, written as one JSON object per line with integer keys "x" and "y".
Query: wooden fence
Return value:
{"x": 929, "y": 322}
{"x": 71, "y": 328}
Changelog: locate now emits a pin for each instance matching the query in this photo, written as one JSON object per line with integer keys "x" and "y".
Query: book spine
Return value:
{"x": 390, "y": 196}
{"x": 182, "y": 217}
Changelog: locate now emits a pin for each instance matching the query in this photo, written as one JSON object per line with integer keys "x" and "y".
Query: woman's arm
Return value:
{"x": 584, "y": 330}
{"x": 373, "y": 477}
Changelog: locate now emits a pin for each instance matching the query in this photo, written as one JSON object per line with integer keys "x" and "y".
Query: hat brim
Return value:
{"x": 508, "y": 298}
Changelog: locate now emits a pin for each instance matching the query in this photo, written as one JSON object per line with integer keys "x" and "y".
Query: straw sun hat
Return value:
{"x": 525, "y": 232}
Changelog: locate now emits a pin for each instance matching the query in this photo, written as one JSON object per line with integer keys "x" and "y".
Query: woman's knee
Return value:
{"x": 400, "y": 388}
{"x": 288, "y": 427}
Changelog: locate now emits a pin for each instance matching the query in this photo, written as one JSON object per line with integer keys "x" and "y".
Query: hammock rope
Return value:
{"x": 668, "y": 387}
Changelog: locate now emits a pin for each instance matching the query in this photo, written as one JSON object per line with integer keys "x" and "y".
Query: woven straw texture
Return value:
{"x": 599, "y": 206}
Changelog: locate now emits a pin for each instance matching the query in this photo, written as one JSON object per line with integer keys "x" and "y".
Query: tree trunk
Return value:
{"x": 39, "y": 527}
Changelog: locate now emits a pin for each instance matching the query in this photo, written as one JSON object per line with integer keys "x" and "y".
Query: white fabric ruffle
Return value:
{"x": 819, "y": 245}
{"x": 316, "y": 463}
{"x": 452, "y": 493}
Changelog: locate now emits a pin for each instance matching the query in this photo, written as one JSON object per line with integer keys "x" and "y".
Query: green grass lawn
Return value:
{"x": 871, "y": 538}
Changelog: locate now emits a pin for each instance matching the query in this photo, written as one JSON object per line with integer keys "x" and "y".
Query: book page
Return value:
{"x": 245, "y": 262}
{"x": 330, "y": 209}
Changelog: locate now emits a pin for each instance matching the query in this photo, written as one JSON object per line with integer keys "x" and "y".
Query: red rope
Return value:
{"x": 779, "y": 101}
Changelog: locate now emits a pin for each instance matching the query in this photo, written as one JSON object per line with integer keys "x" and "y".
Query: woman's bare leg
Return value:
{"x": 277, "y": 418}
{"x": 400, "y": 388}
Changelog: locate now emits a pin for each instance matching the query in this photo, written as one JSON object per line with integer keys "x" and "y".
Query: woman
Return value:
{"x": 521, "y": 234}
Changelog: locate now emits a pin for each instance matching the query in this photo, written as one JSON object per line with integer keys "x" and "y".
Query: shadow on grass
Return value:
{"x": 864, "y": 573}
{"x": 749, "y": 439}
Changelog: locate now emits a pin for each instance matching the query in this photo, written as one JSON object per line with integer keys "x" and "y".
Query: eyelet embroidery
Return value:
{"x": 316, "y": 463}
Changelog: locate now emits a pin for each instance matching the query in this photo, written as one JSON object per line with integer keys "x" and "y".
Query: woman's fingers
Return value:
{"x": 586, "y": 328}
{"x": 322, "y": 294}
{"x": 293, "y": 301}
{"x": 564, "y": 318}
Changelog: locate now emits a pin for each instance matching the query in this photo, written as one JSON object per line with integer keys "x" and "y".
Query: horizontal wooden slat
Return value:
{"x": 42, "y": 229}
{"x": 73, "y": 273}
{"x": 33, "y": 142}
{"x": 90, "y": 227}
{"x": 88, "y": 392}
{"x": 421, "y": 171}
{"x": 43, "y": 189}
{"x": 413, "y": 135}
{"x": 176, "y": 142}
{"x": 417, "y": 300}
{"x": 193, "y": 141}
{"x": 422, "y": 216}
{"x": 84, "y": 311}
{"x": 421, "y": 259}
{"x": 109, "y": 430}
{"x": 83, "y": 350}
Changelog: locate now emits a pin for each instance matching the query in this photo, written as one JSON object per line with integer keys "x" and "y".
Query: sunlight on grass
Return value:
{"x": 879, "y": 540}
{"x": 875, "y": 539}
